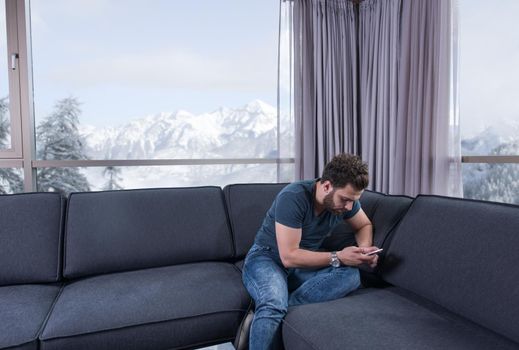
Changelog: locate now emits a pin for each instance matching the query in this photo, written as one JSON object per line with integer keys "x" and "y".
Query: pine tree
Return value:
{"x": 4, "y": 126}
{"x": 58, "y": 138}
{"x": 496, "y": 182}
{"x": 503, "y": 179}
{"x": 114, "y": 176}
{"x": 10, "y": 180}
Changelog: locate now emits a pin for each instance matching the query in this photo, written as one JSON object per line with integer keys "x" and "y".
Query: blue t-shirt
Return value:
{"x": 294, "y": 207}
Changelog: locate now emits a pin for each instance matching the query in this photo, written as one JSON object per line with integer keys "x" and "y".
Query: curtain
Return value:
{"x": 379, "y": 30}
{"x": 427, "y": 156}
{"x": 380, "y": 82}
{"x": 325, "y": 83}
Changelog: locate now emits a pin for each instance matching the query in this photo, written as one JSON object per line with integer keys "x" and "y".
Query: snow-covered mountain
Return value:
{"x": 244, "y": 132}
{"x": 497, "y": 182}
{"x": 249, "y": 131}
{"x": 490, "y": 139}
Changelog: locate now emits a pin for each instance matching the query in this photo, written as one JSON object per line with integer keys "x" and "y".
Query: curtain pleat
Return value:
{"x": 326, "y": 75}
{"x": 378, "y": 47}
{"x": 426, "y": 160}
{"x": 378, "y": 81}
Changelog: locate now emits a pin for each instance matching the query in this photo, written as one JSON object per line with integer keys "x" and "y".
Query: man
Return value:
{"x": 285, "y": 268}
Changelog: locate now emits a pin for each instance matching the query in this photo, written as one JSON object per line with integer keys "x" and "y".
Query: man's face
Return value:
{"x": 340, "y": 200}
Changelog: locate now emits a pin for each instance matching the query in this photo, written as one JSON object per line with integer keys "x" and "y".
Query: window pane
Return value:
{"x": 489, "y": 77}
{"x": 286, "y": 81}
{"x": 494, "y": 182}
{"x": 68, "y": 180}
{"x": 5, "y": 122}
{"x": 287, "y": 172}
{"x": 11, "y": 180}
{"x": 176, "y": 79}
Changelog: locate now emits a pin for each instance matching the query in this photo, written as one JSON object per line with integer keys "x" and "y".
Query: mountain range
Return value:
{"x": 493, "y": 140}
{"x": 249, "y": 131}
{"x": 495, "y": 182}
{"x": 245, "y": 132}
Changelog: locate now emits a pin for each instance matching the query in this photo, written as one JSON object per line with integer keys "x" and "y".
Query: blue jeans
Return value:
{"x": 274, "y": 287}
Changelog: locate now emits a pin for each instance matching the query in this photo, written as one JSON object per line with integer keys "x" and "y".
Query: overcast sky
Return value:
{"x": 125, "y": 59}
{"x": 489, "y": 64}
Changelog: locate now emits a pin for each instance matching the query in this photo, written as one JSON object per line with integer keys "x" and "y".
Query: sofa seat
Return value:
{"x": 389, "y": 318}
{"x": 179, "y": 306}
{"x": 239, "y": 264}
{"x": 23, "y": 310}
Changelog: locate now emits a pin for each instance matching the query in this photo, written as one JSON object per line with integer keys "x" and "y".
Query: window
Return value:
{"x": 124, "y": 177}
{"x": 489, "y": 99}
{"x": 175, "y": 94}
{"x": 11, "y": 180}
{"x": 11, "y": 172}
{"x": 5, "y": 120}
{"x": 10, "y": 138}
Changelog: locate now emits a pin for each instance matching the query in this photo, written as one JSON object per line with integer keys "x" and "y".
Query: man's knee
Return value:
{"x": 350, "y": 276}
{"x": 274, "y": 301}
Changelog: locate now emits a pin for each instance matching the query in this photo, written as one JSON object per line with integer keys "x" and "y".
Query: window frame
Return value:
{"x": 512, "y": 159}
{"x": 13, "y": 76}
{"x": 23, "y": 152}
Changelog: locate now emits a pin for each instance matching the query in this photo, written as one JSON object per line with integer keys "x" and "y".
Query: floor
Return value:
{"x": 225, "y": 346}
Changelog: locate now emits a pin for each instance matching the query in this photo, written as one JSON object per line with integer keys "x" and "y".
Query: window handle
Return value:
{"x": 14, "y": 59}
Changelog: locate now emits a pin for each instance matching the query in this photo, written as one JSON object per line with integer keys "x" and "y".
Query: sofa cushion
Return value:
{"x": 125, "y": 230}
{"x": 387, "y": 318}
{"x": 175, "y": 306}
{"x": 462, "y": 255}
{"x": 239, "y": 264}
{"x": 30, "y": 230}
{"x": 23, "y": 310}
{"x": 248, "y": 204}
{"x": 384, "y": 211}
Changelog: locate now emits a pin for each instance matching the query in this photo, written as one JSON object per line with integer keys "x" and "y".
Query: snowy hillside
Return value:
{"x": 246, "y": 132}
{"x": 490, "y": 140}
{"x": 496, "y": 182}
{"x": 249, "y": 131}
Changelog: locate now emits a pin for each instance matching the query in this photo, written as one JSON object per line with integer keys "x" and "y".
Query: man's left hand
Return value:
{"x": 372, "y": 260}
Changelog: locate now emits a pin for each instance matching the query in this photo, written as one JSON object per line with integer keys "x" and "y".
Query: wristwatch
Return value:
{"x": 334, "y": 260}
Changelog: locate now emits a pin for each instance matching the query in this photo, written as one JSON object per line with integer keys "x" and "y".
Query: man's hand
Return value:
{"x": 355, "y": 256}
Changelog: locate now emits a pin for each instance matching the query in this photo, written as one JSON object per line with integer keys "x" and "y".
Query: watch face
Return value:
{"x": 335, "y": 262}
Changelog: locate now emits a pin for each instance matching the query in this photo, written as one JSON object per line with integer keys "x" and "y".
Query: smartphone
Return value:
{"x": 374, "y": 252}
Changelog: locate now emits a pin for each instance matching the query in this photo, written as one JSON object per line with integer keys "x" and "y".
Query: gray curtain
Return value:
{"x": 325, "y": 81}
{"x": 395, "y": 106}
{"x": 427, "y": 157}
{"x": 379, "y": 30}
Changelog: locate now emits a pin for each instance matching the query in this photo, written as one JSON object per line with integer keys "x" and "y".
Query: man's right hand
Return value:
{"x": 355, "y": 256}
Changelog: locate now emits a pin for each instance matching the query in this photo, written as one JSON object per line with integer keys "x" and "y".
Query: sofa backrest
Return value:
{"x": 31, "y": 226}
{"x": 125, "y": 230}
{"x": 384, "y": 211}
{"x": 248, "y": 204}
{"x": 462, "y": 255}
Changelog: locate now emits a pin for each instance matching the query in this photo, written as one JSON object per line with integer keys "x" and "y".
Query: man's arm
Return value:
{"x": 363, "y": 228}
{"x": 291, "y": 255}
{"x": 364, "y": 235}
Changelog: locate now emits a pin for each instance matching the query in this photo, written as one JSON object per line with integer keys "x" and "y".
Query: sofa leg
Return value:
{"x": 241, "y": 342}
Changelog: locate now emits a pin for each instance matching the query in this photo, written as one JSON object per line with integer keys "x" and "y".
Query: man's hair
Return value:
{"x": 346, "y": 169}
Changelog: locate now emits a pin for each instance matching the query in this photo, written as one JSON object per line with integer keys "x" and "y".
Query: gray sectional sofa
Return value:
{"x": 160, "y": 269}
{"x": 451, "y": 274}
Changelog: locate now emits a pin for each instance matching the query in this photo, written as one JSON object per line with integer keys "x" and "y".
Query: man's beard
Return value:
{"x": 329, "y": 205}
